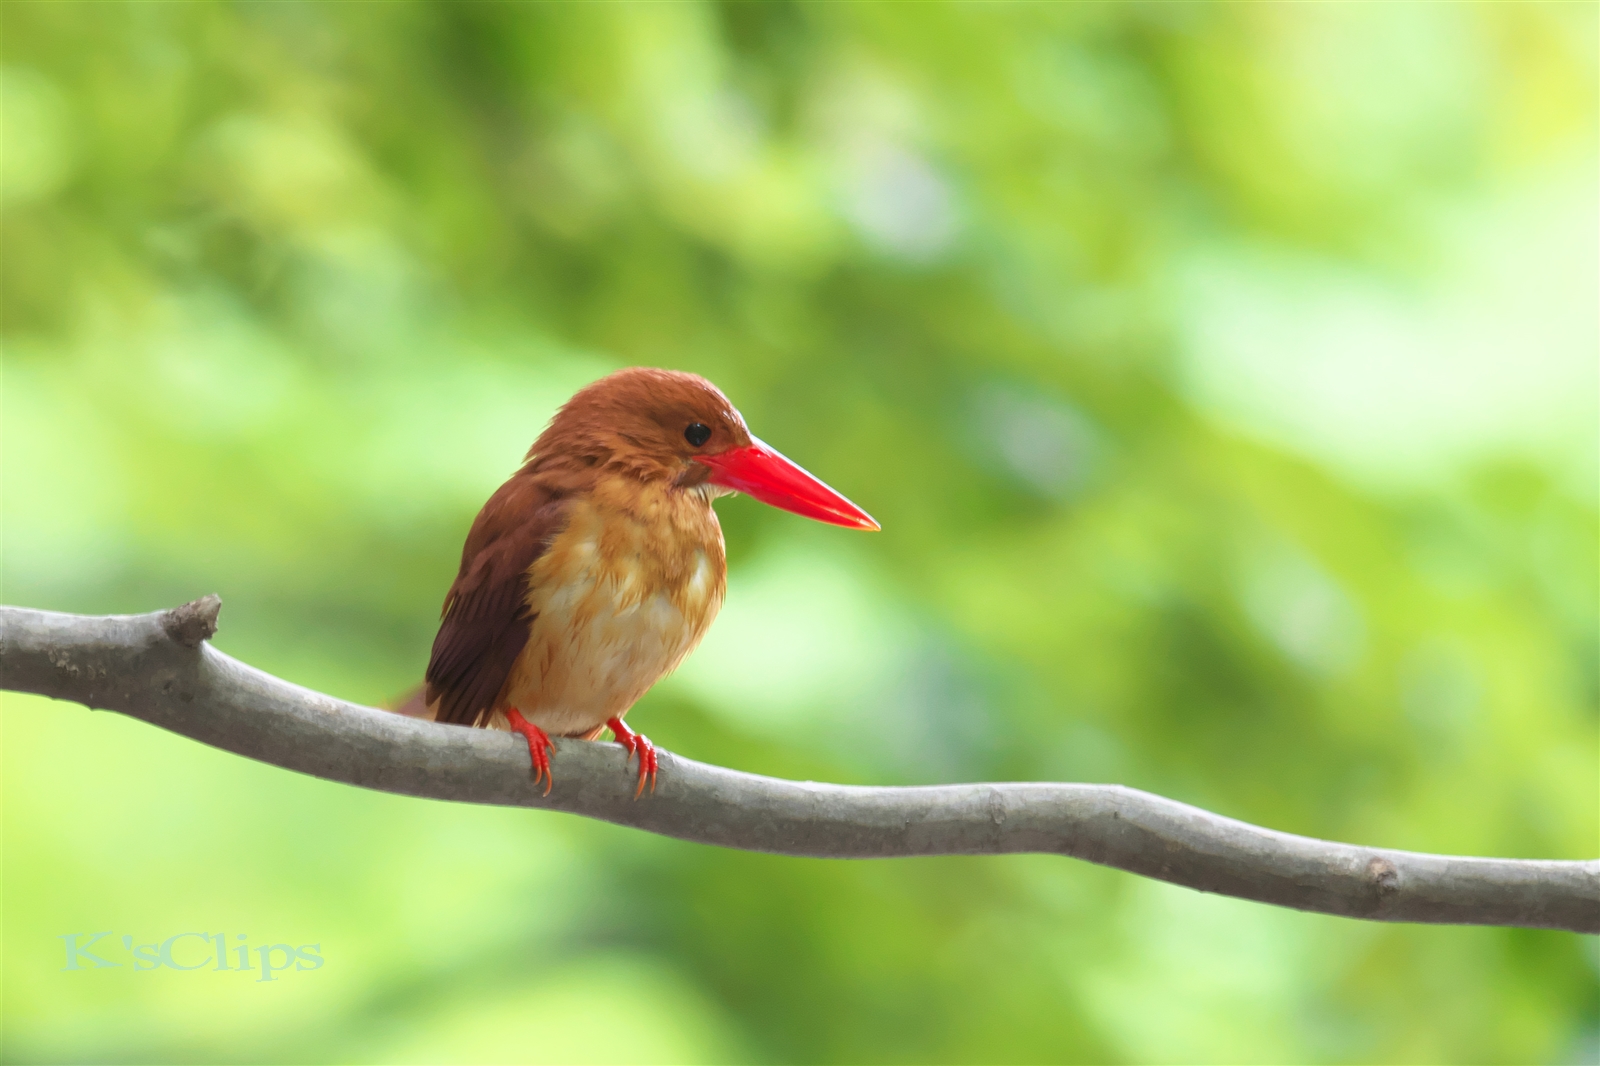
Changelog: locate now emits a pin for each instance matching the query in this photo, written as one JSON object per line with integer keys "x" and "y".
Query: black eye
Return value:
{"x": 697, "y": 433}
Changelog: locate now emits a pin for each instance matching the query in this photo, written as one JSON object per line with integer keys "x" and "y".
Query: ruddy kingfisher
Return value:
{"x": 594, "y": 570}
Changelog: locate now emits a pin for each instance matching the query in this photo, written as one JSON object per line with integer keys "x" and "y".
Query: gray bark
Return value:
{"x": 158, "y": 668}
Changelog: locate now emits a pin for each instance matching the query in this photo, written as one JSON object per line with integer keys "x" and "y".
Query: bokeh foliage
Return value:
{"x": 289, "y": 287}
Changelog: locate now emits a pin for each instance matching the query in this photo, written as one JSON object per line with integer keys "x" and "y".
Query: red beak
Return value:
{"x": 761, "y": 471}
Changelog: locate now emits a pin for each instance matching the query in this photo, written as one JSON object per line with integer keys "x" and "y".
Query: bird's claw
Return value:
{"x": 637, "y": 743}
{"x": 539, "y": 747}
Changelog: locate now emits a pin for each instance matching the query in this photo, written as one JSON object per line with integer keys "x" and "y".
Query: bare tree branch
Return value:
{"x": 157, "y": 667}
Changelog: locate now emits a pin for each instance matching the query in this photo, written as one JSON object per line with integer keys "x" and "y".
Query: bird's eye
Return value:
{"x": 697, "y": 433}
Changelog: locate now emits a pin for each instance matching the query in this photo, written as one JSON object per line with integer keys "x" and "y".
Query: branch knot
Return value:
{"x": 194, "y": 622}
{"x": 1384, "y": 875}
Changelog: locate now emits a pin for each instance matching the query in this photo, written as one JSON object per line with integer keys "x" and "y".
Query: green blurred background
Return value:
{"x": 1224, "y": 377}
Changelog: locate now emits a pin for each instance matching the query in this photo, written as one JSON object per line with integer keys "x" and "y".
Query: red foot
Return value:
{"x": 539, "y": 747}
{"x": 637, "y": 742}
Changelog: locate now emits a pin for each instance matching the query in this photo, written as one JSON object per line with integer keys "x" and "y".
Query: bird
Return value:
{"x": 599, "y": 565}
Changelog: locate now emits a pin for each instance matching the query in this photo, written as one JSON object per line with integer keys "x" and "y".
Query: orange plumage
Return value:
{"x": 594, "y": 570}
{"x": 621, "y": 596}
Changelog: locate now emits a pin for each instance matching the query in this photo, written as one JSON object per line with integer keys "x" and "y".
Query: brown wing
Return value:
{"x": 486, "y": 618}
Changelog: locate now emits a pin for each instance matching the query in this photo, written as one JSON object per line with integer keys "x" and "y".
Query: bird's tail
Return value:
{"x": 413, "y": 704}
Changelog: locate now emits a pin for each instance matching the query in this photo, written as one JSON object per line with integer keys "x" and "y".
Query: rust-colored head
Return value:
{"x": 666, "y": 425}
{"x": 640, "y": 419}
